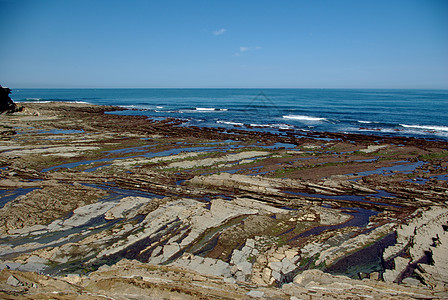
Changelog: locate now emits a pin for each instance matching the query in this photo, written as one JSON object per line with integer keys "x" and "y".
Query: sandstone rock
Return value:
{"x": 127, "y": 207}
{"x": 400, "y": 265}
{"x": 327, "y": 216}
{"x": 278, "y": 256}
{"x": 82, "y": 215}
{"x": 194, "y": 217}
{"x": 411, "y": 281}
{"x": 266, "y": 275}
{"x": 333, "y": 253}
{"x": 250, "y": 243}
{"x": 316, "y": 276}
{"x": 277, "y": 276}
{"x": 422, "y": 234}
{"x": 256, "y": 184}
{"x": 73, "y": 278}
{"x": 287, "y": 266}
{"x": 276, "y": 266}
{"x": 211, "y": 161}
{"x": 170, "y": 249}
{"x": 66, "y": 151}
{"x": 255, "y": 294}
{"x": 373, "y": 148}
{"x": 133, "y": 279}
{"x": 43, "y": 206}
{"x": 341, "y": 287}
{"x": 129, "y": 162}
{"x": 245, "y": 267}
{"x": 290, "y": 254}
{"x": 13, "y": 281}
{"x": 374, "y": 276}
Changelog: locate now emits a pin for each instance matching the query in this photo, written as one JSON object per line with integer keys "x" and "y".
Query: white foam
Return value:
{"x": 31, "y": 100}
{"x": 210, "y": 109}
{"x": 407, "y": 131}
{"x": 39, "y": 100}
{"x": 278, "y": 126}
{"x": 365, "y": 122}
{"x": 426, "y": 127}
{"x": 260, "y": 125}
{"x": 304, "y": 118}
{"x": 229, "y": 123}
{"x": 284, "y": 126}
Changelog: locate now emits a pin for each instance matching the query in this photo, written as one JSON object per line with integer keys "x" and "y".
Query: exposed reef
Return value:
{"x": 95, "y": 204}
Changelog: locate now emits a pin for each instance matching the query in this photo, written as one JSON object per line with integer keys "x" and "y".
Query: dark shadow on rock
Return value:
{"x": 6, "y": 103}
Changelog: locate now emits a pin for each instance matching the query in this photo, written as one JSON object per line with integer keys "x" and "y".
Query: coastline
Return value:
{"x": 96, "y": 190}
{"x": 410, "y": 113}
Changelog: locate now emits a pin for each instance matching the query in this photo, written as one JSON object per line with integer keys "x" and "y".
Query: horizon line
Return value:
{"x": 179, "y": 88}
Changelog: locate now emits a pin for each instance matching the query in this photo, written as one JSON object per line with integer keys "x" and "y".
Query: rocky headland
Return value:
{"x": 98, "y": 205}
{"x": 7, "y": 105}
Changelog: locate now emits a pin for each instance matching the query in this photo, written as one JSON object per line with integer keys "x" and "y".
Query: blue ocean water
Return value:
{"x": 411, "y": 113}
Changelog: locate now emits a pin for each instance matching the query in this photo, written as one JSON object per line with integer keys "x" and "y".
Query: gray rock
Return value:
{"x": 240, "y": 276}
{"x": 229, "y": 280}
{"x": 256, "y": 294}
{"x": 36, "y": 259}
{"x": 276, "y": 275}
{"x": 9, "y": 265}
{"x": 221, "y": 268}
{"x": 13, "y": 281}
{"x": 208, "y": 261}
{"x": 234, "y": 269}
{"x": 276, "y": 266}
{"x": 246, "y": 251}
{"x": 82, "y": 215}
{"x": 157, "y": 251}
{"x": 401, "y": 264}
{"x": 170, "y": 250}
{"x": 295, "y": 259}
{"x": 287, "y": 266}
{"x": 126, "y": 207}
{"x": 411, "y": 281}
{"x": 250, "y": 243}
{"x": 245, "y": 267}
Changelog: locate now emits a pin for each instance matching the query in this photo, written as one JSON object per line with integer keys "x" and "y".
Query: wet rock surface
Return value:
{"x": 121, "y": 206}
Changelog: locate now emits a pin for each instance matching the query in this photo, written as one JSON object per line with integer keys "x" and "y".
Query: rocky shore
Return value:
{"x": 100, "y": 205}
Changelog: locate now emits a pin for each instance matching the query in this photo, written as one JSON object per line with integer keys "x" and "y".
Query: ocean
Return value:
{"x": 409, "y": 113}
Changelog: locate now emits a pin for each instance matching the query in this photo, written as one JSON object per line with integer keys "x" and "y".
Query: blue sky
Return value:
{"x": 293, "y": 44}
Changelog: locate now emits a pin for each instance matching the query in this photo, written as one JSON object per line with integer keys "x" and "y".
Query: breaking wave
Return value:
{"x": 210, "y": 109}
{"x": 230, "y": 123}
{"x": 304, "y": 118}
{"x": 426, "y": 127}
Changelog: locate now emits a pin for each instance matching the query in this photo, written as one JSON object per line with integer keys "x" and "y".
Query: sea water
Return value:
{"x": 410, "y": 113}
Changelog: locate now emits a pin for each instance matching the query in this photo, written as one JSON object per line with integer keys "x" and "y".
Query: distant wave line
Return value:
{"x": 426, "y": 127}
{"x": 304, "y": 118}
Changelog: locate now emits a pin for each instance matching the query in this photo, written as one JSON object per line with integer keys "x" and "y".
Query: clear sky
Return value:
{"x": 297, "y": 43}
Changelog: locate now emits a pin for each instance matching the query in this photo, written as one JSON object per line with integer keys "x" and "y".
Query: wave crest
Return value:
{"x": 210, "y": 109}
{"x": 229, "y": 123}
{"x": 304, "y": 118}
{"x": 426, "y": 127}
